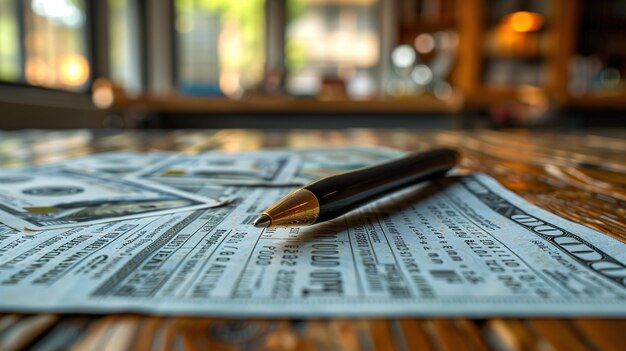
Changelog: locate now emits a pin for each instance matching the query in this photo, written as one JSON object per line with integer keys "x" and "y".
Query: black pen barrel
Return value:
{"x": 342, "y": 193}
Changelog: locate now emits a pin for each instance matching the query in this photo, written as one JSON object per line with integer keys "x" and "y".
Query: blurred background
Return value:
{"x": 312, "y": 63}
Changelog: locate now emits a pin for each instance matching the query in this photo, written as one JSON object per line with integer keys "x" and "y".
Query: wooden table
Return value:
{"x": 580, "y": 177}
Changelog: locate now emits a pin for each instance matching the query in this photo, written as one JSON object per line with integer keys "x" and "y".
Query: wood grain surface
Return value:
{"x": 579, "y": 177}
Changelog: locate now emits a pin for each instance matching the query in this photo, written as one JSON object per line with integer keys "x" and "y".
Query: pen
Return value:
{"x": 336, "y": 195}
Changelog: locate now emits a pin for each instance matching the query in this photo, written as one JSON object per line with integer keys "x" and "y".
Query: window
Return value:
{"x": 9, "y": 44}
{"x": 336, "y": 39}
{"x": 125, "y": 45}
{"x": 220, "y": 46}
{"x": 55, "y": 44}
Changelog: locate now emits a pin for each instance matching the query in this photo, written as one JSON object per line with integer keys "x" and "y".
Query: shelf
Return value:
{"x": 286, "y": 105}
{"x": 495, "y": 55}
{"x": 408, "y": 32}
{"x": 493, "y": 96}
{"x": 616, "y": 100}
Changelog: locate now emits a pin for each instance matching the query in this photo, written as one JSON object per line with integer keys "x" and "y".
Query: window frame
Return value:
{"x": 20, "y": 15}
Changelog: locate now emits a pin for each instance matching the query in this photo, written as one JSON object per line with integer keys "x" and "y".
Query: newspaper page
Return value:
{"x": 459, "y": 246}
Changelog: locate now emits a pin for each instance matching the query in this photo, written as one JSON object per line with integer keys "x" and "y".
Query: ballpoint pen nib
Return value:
{"x": 263, "y": 221}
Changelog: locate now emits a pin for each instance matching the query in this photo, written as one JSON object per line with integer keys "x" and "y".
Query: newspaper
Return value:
{"x": 459, "y": 246}
{"x": 40, "y": 198}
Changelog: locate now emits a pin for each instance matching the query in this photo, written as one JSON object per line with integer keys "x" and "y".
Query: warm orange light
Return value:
{"x": 74, "y": 70}
{"x": 103, "y": 94}
{"x": 524, "y": 21}
{"x": 229, "y": 83}
{"x": 37, "y": 72}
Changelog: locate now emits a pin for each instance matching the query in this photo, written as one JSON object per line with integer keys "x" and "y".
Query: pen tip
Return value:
{"x": 263, "y": 221}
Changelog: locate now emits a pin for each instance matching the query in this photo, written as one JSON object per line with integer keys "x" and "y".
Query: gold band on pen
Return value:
{"x": 300, "y": 207}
